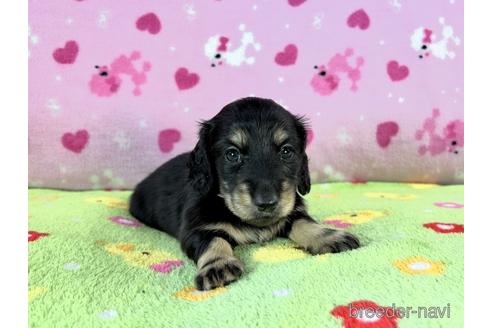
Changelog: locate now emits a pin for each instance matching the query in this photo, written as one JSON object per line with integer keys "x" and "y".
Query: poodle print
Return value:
{"x": 219, "y": 49}
{"x": 107, "y": 81}
{"x": 452, "y": 138}
{"x": 424, "y": 41}
{"x": 327, "y": 78}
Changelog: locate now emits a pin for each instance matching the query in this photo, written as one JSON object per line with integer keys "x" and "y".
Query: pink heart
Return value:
{"x": 67, "y": 54}
{"x": 167, "y": 139}
{"x": 296, "y": 3}
{"x": 288, "y": 56}
{"x": 396, "y": 71}
{"x": 149, "y": 22}
{"x": 310, "y": 136}
{"x": 385, "y": 131}
{"x": 359, "y": 19}
{"x": 185, "y": 80}
{"x": 166, "y": 266}
{"x": 75, "y": 142}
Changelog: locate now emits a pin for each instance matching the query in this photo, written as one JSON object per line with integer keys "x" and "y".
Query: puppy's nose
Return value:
{"x": 266, "y": 203}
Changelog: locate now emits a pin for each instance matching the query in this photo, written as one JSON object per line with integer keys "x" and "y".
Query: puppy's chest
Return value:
{"x": 248, "y": 234}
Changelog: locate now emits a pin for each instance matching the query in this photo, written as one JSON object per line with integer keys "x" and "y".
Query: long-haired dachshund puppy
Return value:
{"x": 241, "y": 184}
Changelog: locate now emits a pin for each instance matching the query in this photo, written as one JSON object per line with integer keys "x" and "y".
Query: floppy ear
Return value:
{"x": 304, "y": 184}
{"x": 304, "y": 181}
{"x": 199, "y": 164}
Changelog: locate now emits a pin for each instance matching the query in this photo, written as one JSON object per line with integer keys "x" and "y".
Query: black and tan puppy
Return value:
{"x": 241, "y": 184}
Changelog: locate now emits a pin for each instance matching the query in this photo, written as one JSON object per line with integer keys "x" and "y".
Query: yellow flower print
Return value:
{"x": 418, "y": 265}
{"x": 35, "y": 292}
{"x": 325, "y": 196}
{"x": 277, "y": 253}
{"x": 355, "y": 217}
{"x": 192, "y": 294}
{"x": 109, "y": 202}
{"x": 138, "y": 257}
{"x": 422, "y": 185}
{"x": 390, "y": 195}
{"x": 44, "y": 198}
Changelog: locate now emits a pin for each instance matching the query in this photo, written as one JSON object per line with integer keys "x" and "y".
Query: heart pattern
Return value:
{"x": 359, "y": 19}
{"x": 75, "y": 142}
{"x": 167, "y": 139}
{"x": 397, "y": 72}
{"x": 309, "y": 136}
{"x": 385, "y": 132}
{"x": 178, "y": 64}
{"x": 150, "y": 23}
{"x": 185, "y": 80}
{"x": 296, "y": 3}
{"x": 67, "y": 54}
{"x": 288, "y": 56}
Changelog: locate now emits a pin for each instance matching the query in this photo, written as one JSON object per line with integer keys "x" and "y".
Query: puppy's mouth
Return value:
{"x": 240, "y": 202}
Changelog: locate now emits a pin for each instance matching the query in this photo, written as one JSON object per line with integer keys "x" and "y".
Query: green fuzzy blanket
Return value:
{"x": 92, "y": 265}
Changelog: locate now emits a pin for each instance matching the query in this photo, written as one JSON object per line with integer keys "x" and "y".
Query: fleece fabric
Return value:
{"x": 92, "y": 265}
{"x": 112, "y": 82}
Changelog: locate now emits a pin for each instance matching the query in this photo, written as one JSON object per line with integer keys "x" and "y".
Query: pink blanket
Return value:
{"x": 116, "y": 88}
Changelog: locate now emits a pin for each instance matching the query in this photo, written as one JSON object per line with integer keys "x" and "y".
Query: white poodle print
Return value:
{"x": 219, "y": 49}
{"x": 425, "y": 41}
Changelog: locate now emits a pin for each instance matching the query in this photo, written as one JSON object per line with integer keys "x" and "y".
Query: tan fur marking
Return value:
{"x": 311, "y": 234}
{"x": 239, "y": 202}
{"x": 248, "y": 235}
{"x": 279, "y": 136}
{"x": 287, "y": 199}
{"x": 218, "y": 247}
{"x": 239, "y": 138}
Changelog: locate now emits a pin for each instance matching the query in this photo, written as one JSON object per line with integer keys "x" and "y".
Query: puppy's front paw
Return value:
{"x": 333, "y": 241}
{"x": 219, "y": 272}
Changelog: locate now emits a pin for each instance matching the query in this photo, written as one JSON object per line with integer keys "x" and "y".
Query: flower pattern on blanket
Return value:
{"x": 346, "y": 219}
{"x": 419, "y": 265}
{"x": 139, "y": 256}
{"x": 110, "y": 202}
{"x": 390, "y": 195}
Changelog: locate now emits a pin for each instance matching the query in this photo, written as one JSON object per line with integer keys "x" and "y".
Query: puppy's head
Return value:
{"x": 252, "y": 153}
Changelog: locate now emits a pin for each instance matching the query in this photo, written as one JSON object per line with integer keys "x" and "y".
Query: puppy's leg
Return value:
{"x": 318, "y": 239}
{"x": 215, "y": 260}
{"x": 217, "y": 266}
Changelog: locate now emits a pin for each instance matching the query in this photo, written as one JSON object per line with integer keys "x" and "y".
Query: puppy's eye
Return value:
{"x": 233, "y": 155}
{"x": 424, "y": 47}
{"x": 217, "y": 56}
{"x": 286, "y": 152}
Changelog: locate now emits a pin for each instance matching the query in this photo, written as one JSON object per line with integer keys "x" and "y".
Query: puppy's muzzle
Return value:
{"x": 265, "y": 198}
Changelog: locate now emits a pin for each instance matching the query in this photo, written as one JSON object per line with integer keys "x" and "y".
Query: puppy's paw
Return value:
{"x": 333, "y": 241}
{"x": 219, "y": 272}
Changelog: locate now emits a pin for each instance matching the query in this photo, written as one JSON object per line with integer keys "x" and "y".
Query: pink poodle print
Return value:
{"x": 220, "y": 50}
{"x": 328, "y": 78}
{"x": 107, "y": 81}
{"x": 451, "y": 139}
{"x": 428, "y": 42}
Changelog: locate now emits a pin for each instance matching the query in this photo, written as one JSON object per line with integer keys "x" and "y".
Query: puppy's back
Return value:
{"x": 158, "y": 200}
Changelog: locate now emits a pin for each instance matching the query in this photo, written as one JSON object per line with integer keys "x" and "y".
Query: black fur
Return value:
{"x": 188, "y": 192}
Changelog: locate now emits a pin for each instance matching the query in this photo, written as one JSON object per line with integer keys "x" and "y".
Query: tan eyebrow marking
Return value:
{"x": 279, "y": 136}
{"x": 239, "y": 138}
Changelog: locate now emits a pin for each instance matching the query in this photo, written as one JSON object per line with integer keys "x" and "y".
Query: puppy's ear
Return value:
{"x": 199, "y": 164}
{"x": 304, "y": 181}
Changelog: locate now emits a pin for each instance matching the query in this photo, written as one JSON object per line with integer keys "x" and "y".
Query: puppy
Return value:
{"x": 242, "y": 183}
